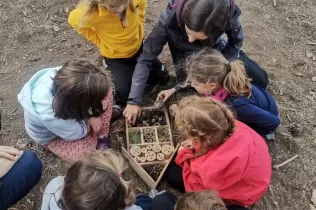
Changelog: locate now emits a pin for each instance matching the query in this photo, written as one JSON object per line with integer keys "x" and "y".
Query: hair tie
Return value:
{"x": 228, "y": 67}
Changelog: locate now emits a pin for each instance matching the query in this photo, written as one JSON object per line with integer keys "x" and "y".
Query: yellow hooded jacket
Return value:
{"x": 104, "y": 29}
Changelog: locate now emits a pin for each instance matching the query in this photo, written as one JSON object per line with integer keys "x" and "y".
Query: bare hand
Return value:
{"x": 165, "y": 94}
{"x": 10, "y": 153}
{"x": 132, "y": 112}
{"x": 95, "y": 124}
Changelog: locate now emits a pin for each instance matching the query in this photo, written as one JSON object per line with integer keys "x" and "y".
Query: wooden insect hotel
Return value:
{"x": 150, "y": 145}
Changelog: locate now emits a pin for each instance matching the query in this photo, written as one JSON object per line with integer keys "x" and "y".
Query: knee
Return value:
{"x": 166, "y": 200}
{"x": 33, "y": 164}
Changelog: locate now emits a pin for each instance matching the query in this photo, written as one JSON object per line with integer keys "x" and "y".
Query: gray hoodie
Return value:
{"x": 52, "y": 195}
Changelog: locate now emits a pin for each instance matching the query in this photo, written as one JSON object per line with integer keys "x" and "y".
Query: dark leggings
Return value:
{"x": 174, "y": 177}
{"x": 22, "y": 177}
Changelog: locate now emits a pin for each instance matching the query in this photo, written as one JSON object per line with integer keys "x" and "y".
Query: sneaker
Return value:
{"x": 103, "y": 143}
{"x": 117, "y": 113}
{"x": 270, "y": 136}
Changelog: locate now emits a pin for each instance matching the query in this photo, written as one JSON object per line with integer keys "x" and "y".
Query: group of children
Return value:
{"x": 68, "y": 109}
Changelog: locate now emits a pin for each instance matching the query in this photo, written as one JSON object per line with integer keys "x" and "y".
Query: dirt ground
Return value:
{"x": 282, "y": 38}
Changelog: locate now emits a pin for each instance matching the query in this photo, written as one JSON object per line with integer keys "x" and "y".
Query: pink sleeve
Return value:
{"x": 183, "y": 156}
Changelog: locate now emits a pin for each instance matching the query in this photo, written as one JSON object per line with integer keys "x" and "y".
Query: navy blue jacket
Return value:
{"x": 259, "y": 111}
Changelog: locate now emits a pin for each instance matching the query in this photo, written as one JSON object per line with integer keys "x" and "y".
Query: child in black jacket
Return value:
{"x": 188, "y": 26}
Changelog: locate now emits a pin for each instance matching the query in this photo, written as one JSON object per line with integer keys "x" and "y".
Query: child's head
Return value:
{"x": 79, "y": 88}
{"x": 202, "y": 200}
{"x": 96, "y": 183}
{"x": 207, "y": 121}
{"x": 114, "y": 6}
{"x": 208, "y": 71}
{"x": 207, "y": 19}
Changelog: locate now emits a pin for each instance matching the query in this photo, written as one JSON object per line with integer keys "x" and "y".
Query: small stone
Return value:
{"x": 299, "y": 63}
{"x": 50, "y": 50}
{"x": 66, "y": 9}
{"x": 56, "y": 28}
{"x": 314, "y": 58}
{"x": 309, "y": 54}
{"x": 288, "y": 19}
{"x": 314, "y": 79}
{"x": 35, "y": 59}
{"x": 283, "y": 82}
{"x": 274, "y": 60}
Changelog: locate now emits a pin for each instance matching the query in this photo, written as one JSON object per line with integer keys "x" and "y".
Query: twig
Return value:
{"x": 289, "y": 117}
{"x": 311, "y": 43}
{"x": 309, "y": 99}
{"x": 285, "y": 162}
{"x": 14, "y": 110}
{"x": 290, "y": 109}
{"x": 274, "y": 3}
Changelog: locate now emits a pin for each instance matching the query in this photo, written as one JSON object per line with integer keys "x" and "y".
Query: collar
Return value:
{"x": 103, "y": 11}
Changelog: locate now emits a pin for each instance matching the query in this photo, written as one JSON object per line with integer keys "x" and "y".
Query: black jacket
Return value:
{"x": 168, "y": 30}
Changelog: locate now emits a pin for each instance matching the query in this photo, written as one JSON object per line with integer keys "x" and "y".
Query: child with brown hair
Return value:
{"x": 97, "y": 182}
{"x": 68, "y": 109}
{"x": 212, "y": 75}
{"x": 116, "y": 28}
{"x": 225, "y": 155}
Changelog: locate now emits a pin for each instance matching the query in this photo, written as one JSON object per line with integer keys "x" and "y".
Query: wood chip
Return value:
{"x": 309, "y": 54}
{"x": 274, "y": 3}
{"x": 313, "y": 199}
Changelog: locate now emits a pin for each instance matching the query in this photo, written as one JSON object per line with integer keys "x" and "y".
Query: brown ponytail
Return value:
{"x": 205, "y": 119}
{"x": 208, "y": 66}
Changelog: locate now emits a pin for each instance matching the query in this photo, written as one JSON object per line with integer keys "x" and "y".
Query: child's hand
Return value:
{"x": 131, "y": 113}
{"x": 165, "y": 94}
{"x": 95, "y": 124}
{"x": 10, "y": 153}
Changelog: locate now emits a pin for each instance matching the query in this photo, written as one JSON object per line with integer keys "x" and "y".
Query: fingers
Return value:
{"x": 160, "y": 95}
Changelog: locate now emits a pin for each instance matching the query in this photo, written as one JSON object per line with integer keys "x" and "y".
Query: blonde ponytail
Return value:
{"x": 236, "y": 81}
{"x": 210, "y": 66}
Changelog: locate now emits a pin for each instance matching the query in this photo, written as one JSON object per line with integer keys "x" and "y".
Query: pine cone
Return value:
{"x": 295, "y": 130}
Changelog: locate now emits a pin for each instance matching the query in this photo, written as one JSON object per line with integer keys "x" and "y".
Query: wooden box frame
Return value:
{"x": 138, "y": 166}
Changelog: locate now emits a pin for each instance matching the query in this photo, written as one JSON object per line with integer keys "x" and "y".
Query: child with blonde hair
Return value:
{"x": 94, "y": 183}
{"x": 219, "y": 153}
{"x": 116, "y": 28}
{"x": 67, "y": 109}
{"x": 212, "y": 75}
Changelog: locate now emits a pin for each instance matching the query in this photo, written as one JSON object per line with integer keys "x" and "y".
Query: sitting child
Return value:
{"x": 211, "y": 74}
{"x": 226, "y": 155}
{"x": 204, "y": 200}
{"x": 93, "y": 183}
{"x": 61, "y": 105}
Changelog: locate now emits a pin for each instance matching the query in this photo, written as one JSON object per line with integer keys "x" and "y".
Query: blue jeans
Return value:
{"x": 22, "y": 177}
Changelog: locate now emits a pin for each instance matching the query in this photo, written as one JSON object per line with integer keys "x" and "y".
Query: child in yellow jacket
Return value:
{"x": 116, "y": 28}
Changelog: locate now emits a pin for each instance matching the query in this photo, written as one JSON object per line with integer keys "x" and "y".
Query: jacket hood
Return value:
{"x": 36, "y": 96}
